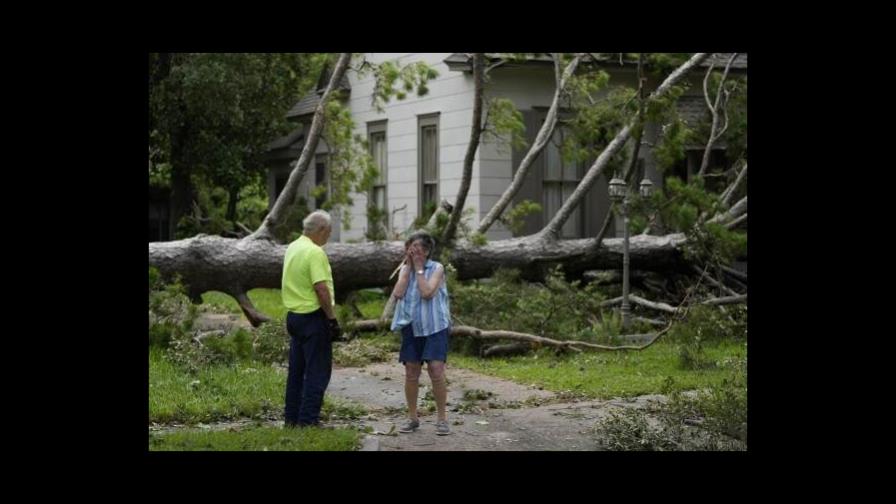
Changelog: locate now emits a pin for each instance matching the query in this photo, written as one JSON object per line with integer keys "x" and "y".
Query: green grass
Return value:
{"x": 608, "y": 374}
{"x": 257, "y": 439}
{"x": 222, "y": 392}
{"x": 268, "y": 301}
{"x": 213, "y": 393}
{"x": 371, "y": 308}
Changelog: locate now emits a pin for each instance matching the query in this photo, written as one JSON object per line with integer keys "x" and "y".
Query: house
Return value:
{"x": 420, "y": 143}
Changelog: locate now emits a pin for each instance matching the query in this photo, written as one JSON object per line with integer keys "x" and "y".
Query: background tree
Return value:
{"x": 211, "y": 117}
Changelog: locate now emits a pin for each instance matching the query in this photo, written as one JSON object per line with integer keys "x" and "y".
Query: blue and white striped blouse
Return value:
{"x": 426, "y": 316}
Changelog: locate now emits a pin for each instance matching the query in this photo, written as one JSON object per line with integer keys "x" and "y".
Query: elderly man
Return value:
{"x": 307, "y": 290}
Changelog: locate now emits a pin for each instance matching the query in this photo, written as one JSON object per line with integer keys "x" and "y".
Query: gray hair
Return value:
{"x": 316, "y": 220}
{"x": 425, "y": 238}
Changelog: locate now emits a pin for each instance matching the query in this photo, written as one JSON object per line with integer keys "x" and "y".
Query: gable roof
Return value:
{"x": 294, "y": 137}
{"x": 305, "y": 106}
{"x": 308, "y": 103}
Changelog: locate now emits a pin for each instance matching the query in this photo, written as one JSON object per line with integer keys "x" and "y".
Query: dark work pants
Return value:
{"x": 310, "y": 366}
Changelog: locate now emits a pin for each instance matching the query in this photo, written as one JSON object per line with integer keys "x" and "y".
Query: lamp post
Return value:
{"x": 619, "y": 194}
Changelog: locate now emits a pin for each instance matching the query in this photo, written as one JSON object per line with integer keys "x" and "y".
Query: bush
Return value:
{"x": 171, "y": 320}
{"x": 720, "y": 411}
{"x": 713, "y": 419}
{"x": 692, "y": 356}
{"x": 514, "y": 217}
{"x": 557, "y": 308}
{"x": 171, "y": 314}
{"x": 235, "y": 346}
{"x": 707, "y": 324}
{"x": 208, "y": 214}
{"x": 268, "y": 344}
{"x": 629, "y": 430}
{"x": 272, "y": 343}
{"x": 725, "y": 406}
{"x": 714, "y": 323}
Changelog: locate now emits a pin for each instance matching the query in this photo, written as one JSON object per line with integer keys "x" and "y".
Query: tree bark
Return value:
{"x": 663, "y": 307}
{"x": 733, "y": 224}
{"x": 531, "y": 339}
{"x": 736, "y": 274}
{"x": 734, "y": 212}
{"x": 740, "y": 298}
{"x": 729, "y": 192}
{"x": 641, "y": 301}
{"x": 712, "y": 281}
{"x": 235, "y": 266}
{"x": 506, "y": 350}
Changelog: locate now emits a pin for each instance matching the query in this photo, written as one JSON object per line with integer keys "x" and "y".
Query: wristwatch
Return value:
{"x": 419, "y": 272}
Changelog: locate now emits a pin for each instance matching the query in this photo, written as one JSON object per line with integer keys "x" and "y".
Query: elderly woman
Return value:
{"x": 423, "y": 317}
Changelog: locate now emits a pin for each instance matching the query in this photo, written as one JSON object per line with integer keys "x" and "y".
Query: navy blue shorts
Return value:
{"x": 423, "y": 349}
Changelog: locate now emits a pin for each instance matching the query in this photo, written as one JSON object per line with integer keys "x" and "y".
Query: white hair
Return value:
{"x": 316, "y": 220}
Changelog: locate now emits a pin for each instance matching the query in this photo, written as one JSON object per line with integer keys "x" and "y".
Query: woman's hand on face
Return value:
{"x": 410, "y": 258}
{"x": 417, "y": 257}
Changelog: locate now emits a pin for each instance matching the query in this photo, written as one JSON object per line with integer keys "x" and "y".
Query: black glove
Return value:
{"x": 335, "y": 330}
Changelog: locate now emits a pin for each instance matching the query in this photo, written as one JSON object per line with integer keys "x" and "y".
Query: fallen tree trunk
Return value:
{"x": 735, "y": 211}
{"x": 712, "y": 281}
{"x": 614, "y": 276}
{"x": 740, "y": 275}
{"x": 641, "y": 301}
{"x": 650, "y": 321}
{"x": 741, "y": 298}
{"x": 736, "y": 222}
{"x": 233, "y": 266}
{"x": 506, "y": 350}
{"x": 730, "y": 280}
{"x": 663, "y": 307}
{"x": 482, "y": 334}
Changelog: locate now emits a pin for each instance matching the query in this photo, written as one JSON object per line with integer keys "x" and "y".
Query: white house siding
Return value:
{"x": 450, "y": 95}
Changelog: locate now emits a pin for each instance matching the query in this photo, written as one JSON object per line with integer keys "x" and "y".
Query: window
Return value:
{"x": 560, "y": 180}
{"x": 429, "y": 163}
{"x": 377, "y": 196}
{"x": 378, "y": 151}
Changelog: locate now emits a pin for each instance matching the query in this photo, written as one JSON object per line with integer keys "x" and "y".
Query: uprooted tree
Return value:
{"x": 234, "y": 266}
